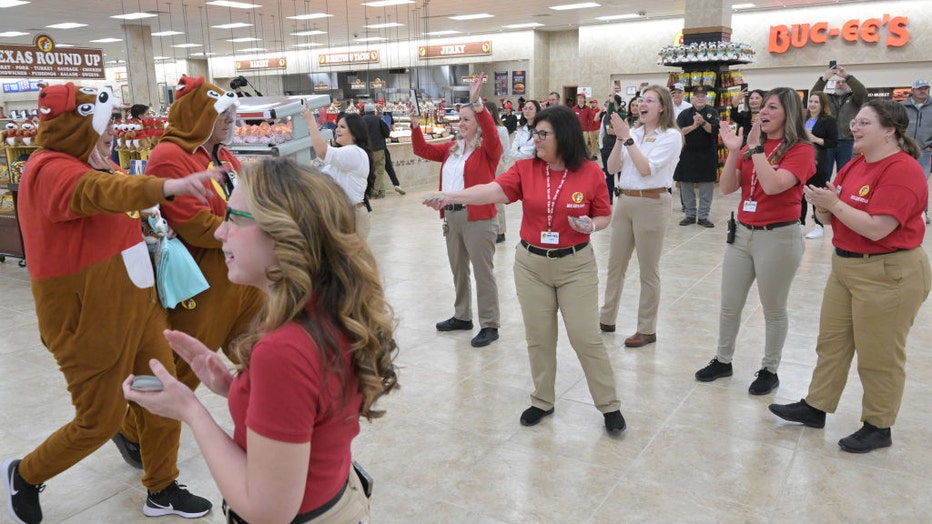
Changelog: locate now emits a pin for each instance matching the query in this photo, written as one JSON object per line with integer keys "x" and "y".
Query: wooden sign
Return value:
{"x": 261, "y": 63}
{"x": 350, "y": 57}
{"x": 455, "y": 50}
{"x": 44, "y": 61}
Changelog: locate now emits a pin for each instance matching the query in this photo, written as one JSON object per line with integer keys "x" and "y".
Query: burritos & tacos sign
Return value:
{"x": 43, "y": 59}
{"x": 887, "y": 30}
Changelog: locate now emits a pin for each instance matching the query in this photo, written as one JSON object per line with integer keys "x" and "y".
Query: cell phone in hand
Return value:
{"x": 832, "y": 64}
{"x": 146, "y": 383}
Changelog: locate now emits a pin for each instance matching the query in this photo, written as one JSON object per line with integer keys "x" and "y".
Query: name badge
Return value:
{"x": 750, "y": 206}
{"x": 549, "y": 237}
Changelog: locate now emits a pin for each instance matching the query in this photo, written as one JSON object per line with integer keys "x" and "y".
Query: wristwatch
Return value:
{"x": 628, "y": 142}
{"x": 758, "y": 149}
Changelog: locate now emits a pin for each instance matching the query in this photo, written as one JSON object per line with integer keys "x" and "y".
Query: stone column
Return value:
{"x": 707, "y": 21}
{"x": 143, "y": 86}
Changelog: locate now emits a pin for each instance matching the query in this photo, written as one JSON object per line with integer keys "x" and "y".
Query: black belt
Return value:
{"x": 233, "y": 518}
{"x": 851, "y": 254}
{"x": 768, "y": 227}
{"x": 553, "y": 253}
{"x": 454, "y": 207}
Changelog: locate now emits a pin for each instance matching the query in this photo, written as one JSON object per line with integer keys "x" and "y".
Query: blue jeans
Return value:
{"x": 841, "y": 154}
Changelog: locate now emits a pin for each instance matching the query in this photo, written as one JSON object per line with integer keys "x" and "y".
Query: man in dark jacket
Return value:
{"x": 698, "y": 164}
{"x": 378, "y": 132}
{"x": 845, "y": 103}
{"x": 919, "y": 108}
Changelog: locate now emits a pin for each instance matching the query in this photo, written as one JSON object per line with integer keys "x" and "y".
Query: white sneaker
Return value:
{"x": 816, "y": 232}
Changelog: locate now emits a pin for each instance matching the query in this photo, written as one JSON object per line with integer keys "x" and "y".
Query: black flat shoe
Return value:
{"x": 485, "y": 337}
{"x": 453, "y": 323}
{"x": 615, "y": 423}
{"x": 532, "y": 415}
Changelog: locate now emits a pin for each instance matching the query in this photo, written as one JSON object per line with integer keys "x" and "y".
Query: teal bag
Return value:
{"x": 177, "y": 276}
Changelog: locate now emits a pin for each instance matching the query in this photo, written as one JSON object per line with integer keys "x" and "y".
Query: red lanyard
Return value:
{"x": 552, "y": 203}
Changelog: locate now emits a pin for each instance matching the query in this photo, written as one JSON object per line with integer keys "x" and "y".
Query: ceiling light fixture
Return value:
{"x": 188, "y": 45}
{"x": 244, "y": 39}
{"x": 523, "y": 26}
{"x": 235, "y": 5}
{"x": 743, "y": 6}
{"x": 308, "y": 44}
{"x": 253, "y": 49}
{"x": 66, "y": 25}
{"x": 442, "y": 33}
{"x": 567, "y": 7}
{"x": 471, "y": 17}
{"x": 134, "y": 16}
{"x": 234, "y": 25}
{"x": 13, "y": 33}
{"x": 627, "y": 16}
{"x": 167, "y": 33}
{"x": 107, "y": 40}
{"x": 383, "y": 26}
{"x": 309, "y": 33}
{"x": 386, "y": 3}
{"x": 370, "y": 39}
{"x": 11, "y": 3}
{"x": 309, "y": 16}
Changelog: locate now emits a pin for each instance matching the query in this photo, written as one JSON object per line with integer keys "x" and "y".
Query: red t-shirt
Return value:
{"x": 288, "y": 396}
{"x": 782, "y": 207}
{"x": 894, "y": 186}
{"x": 583, "y": 193}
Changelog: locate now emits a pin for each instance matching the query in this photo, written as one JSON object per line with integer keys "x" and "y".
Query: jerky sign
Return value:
{"x": 43, "y": 60}
{"x": 453, "y": 50}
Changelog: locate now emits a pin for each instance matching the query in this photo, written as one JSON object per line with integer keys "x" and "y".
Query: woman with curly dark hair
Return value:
{"x": 318, "y": 358}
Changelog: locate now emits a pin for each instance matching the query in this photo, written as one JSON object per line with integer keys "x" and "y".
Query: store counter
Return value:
{"x": 413, "y": 171}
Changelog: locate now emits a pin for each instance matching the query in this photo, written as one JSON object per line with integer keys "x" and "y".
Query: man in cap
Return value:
{"x": 698, "y": 164}
{"x": 919, "y": 108}
{"x": 679, "y": 105}
{"x": 509, "y": 120}
{"x": 378, "y": 133}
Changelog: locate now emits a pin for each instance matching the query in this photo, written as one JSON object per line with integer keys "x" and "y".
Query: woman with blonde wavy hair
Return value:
{"x": 318, "y": 358}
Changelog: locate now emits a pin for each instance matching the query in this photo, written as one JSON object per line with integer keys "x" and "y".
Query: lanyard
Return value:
{"x": 754, "y": 173}
{"x": 552, "y": 203}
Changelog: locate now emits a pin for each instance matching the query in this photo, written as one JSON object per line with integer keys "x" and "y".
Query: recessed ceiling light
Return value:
{"x": 107, "y": 40}
{"x": 308, "y": 44}
{"x": 13, "y": 33}
{"x": 567, "y": 7}
{"x": 167, "y": 33}
{"x": 441, "y": 33}
{"x": 252, "y": 50}
{"x": 163, "y": 58}
{"x": 237, "y": 5}
{"x": 386, "y": 3}
{"x": 187, "y": 45}
{"x": 11, "y": 3}
{"x": 309, "y": 16}
{"x": 66, "y": 25}
{"x": 618, "y": 17}
{"x": 203, "y": 54}
{"x": 134, "y": 16}
{"x": 383, "y": 26}
{"x": 369, "y": 39}
{"x": 63, "y": 45}
{"x": 742, "y": 6}
{"x": 309, "y": 33}
{"x": 523, "y": 26}
{"x": 244, "y": 39}
{"x": 471, "y": 17}
{"x": 234, "y": 25}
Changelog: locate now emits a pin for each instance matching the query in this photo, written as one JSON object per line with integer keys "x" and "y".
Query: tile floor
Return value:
{"x": 451, "y": 449}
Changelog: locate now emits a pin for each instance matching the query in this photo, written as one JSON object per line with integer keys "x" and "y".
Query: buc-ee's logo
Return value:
{"x": 865, "y": 189}
{"x": 577, "y": 197}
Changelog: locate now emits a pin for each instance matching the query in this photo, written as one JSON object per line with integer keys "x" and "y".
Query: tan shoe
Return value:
{"x": 640, "y": 339}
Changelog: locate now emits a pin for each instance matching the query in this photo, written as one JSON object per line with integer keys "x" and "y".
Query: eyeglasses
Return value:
{"x": 236, "y": 212}
{"x": 859, "y": 123}
{"x": 541, "y": 134}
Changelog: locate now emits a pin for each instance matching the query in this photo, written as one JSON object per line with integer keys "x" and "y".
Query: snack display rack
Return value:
{"x": 11, "y": 239}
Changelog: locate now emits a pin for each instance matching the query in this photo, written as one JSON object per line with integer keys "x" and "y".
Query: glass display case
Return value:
{"x": 266, "y": 126}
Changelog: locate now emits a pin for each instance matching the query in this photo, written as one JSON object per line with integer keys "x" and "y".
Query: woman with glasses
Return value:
{"x": 822, "y": 131}
{"x": 768, "y": 245}
{"x": 646, "y": 158}
{"x": 522, "y": 145}
{"x": 564, "y": 200}
{"x": 470, "y": 231}
{"x": 880, "y": 276}
{"x": 316, "y": 361}
{"x": 349, "y": 164}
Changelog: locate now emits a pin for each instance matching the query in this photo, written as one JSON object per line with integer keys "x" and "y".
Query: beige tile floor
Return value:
{"x": 451, "y": 449}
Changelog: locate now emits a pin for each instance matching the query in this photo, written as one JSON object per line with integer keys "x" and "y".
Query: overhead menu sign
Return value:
{"x": 351, "y": 57}
{"x": 261, "y": 63}
{"x": 455, "y": 50}
{"x": 42, "y": 60}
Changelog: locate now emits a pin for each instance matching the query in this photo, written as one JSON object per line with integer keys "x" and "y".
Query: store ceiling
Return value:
{"x": 270, "y": 27}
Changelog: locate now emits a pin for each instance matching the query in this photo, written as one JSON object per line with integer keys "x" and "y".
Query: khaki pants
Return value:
{"x": 500, "y": 210}
{"x": 570, "y": 286}
{"x": 868, "y": 307}
{"x": 473, "y": 243}
{"x": 770, "y": 257}
{"x": 593, "y": 139}
{"x": 378, "y": 159}
{"x": 638, "y": 223}
{"x": 363, "y": 224}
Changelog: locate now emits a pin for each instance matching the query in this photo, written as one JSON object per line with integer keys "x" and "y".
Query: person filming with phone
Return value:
{"x": 844, "y": 104}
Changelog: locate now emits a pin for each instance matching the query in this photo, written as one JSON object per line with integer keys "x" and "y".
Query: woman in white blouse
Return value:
{"x": 349, "y": 162}
{"x": 523, "y": 144}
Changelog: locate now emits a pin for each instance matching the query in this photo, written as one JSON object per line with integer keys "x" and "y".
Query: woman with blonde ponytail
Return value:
{"x": 318, "y": 358}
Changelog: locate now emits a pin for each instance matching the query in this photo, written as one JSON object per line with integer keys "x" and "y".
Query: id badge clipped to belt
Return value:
{"x": 445, "y": 227}
{"x": 732, "y": 229}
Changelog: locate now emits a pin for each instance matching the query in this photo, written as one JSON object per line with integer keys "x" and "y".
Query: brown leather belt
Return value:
{"x": 647, "y": 193}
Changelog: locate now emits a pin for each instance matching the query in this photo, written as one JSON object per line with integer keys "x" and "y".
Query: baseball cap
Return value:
{"x": 677, "y": 86}
{"x": 369, "y": 108}
{"x": 508, "y": 105}
{"x": 920, "y": 83}
{"x": 593, "y": 101}
{"x": 700, "y": 89}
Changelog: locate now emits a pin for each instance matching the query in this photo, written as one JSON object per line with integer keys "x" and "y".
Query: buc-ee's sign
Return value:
{"x": 891, "y": 30}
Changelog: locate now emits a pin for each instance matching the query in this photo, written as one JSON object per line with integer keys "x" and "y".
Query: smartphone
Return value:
{"x": 415, "y": 103}
{"x": 832, "y": 64}
{"x": 146, "y": 383}
{"x": 744, "y": 86}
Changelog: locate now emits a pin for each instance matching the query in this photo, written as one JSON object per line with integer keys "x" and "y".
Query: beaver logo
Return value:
{"x": 865, "y": 189}
{"x": 189, "y": 304}
{"x": 577, "y": 197}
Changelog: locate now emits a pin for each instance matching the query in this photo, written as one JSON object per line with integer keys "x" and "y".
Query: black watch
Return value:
{"x": 628, "y": 142}
{"x": 758, "y": 149}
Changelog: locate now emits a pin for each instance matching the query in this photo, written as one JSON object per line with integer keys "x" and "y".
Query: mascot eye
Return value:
{"x": 103, "y": 97}
{"x": 86, "y": 109}
{"x": 230, "y": 94}
{"x": 213, "y": 94}
{"x": 88, "y": 90}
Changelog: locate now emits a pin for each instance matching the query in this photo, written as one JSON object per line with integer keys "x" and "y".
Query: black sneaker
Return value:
{"x": 454, "y": 323}
{"x": 799, "y": 412}
{"x": 868, "y": 438}
{"x": 704, "y": 222}
{"x": 176, "y": 500}
{"x": 764, "y": 383}
{"x": 23, "y": 503}
{"x": 129, "y": 450}
{"x": 485, "y": 337}
{"x": 715, "y": 370}
{"x": 688, "y": 221}
{"x": 614, "y": 422}
{"x": 532, "y": 415}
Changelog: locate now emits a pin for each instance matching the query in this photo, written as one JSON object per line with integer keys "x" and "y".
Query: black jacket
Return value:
{"x": 378, "y": 131}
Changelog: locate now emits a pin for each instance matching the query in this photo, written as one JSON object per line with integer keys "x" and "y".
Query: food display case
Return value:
{"x": 266, "y": 126}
